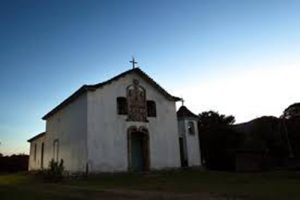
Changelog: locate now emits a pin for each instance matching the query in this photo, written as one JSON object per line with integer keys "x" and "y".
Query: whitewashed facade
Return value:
{"x": 188, "y": 138}
{"x": 128, "y": 123}
{"x": 36, "y": 152}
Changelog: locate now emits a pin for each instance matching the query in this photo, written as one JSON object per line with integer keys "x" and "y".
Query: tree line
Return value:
{"x": 276, "y": 141}
{"x": 13, "y": 163}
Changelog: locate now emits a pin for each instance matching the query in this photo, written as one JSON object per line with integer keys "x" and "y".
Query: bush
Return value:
{"x": 55, "y": 173}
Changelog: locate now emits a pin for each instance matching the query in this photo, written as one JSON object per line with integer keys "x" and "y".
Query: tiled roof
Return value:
{"x": 185, "y": 112}
{"x": 86, "y": 88}
{"x": 36, "y": 137}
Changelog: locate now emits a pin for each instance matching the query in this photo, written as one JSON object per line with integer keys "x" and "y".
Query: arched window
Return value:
{"x": 151, "y": 109}
{"x": 191, "y": 128}
{"x": 122, "y": 105}
{"x": 42, "y": 155}
{"x": 34, "y": 154}
{"x": 55, "y": 150}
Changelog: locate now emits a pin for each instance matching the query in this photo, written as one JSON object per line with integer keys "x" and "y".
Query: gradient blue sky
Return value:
{"x": 236, "y": 57}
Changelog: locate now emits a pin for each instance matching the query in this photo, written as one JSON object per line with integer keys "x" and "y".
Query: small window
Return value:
{"x": 122, "y": 105}
{"x": 151, "y": 109}
{"x": 191, "y": 128}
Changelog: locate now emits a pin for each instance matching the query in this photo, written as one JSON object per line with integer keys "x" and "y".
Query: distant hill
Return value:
{"x": 261, "y": 133}
{"x": 276, "y": 139}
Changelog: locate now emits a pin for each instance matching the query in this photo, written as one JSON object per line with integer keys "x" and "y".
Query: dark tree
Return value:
{"x": 218, "y": 141}
{"x": 291, "y": 133}
{"x": 211, "y": 119}
{"x": 219, "y": 147}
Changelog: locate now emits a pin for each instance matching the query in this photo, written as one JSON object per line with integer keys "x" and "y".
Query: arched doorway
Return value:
{"x": 138, "y": 149}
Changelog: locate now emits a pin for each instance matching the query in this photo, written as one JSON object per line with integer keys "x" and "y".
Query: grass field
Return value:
{"x": 187, "y": 184}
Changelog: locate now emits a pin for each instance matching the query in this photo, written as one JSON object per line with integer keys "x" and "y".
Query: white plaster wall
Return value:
{"x": 69, "y": 126}
{"x": 35, "y": 164}
{"x": 107, "y": 131}
{"x": 191, "y": 142}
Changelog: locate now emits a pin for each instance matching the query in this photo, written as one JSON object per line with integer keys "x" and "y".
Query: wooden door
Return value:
{"x": 137, "y": 152}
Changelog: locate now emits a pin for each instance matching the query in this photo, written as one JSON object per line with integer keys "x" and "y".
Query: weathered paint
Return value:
{"x": 92, "y": 135}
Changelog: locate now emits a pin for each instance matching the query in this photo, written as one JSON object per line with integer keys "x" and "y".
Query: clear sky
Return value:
{"x": 235, "y": 57}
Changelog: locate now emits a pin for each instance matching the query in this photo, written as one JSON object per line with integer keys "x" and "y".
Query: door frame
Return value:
{"x": 184, "y": 161}
{"x": 146, "y": 148}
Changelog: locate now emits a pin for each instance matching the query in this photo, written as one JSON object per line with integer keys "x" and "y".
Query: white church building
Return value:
{"x": 128, "y": 123}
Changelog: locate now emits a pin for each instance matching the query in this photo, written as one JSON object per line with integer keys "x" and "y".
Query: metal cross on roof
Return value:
{"x": 133, "y": 62}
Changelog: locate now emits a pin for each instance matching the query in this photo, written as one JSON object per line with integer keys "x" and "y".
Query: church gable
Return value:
{"x": 140, "y": 74}
{"x": 130, "y": 96}
{"x": 135, "y": 71}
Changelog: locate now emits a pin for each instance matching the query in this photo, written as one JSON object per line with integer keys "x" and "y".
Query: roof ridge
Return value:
{"x": 36, "y": 136}
{"x": 93, "y": 87}
{"x": 183, "y": 111}
{"x": 111, "y": 79}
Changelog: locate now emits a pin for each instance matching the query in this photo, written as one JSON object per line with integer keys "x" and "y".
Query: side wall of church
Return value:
{"x": 107, "y": 130}
{"x": 35, "y": 154}
{"x": 191, "y": 142}
{"x": 66, "y": 137}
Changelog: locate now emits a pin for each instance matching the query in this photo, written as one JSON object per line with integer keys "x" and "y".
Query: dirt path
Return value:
{"x": 125, "y": 194}
{"x": 151, "y": 195}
